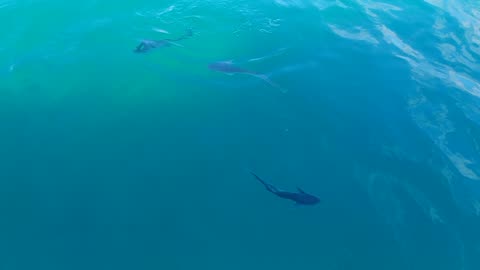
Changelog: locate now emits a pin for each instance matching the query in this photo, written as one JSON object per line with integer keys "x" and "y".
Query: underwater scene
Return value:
{"x": 240, "y": 134}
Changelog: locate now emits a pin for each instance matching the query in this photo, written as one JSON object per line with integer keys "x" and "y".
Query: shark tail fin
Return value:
{"x": 258, "y": 178}
{"x": 188, "y": 34}
{"x": 268, "y": 186}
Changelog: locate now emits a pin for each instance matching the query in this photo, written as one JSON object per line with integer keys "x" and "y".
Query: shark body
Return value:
{"x": 300, "y": 197}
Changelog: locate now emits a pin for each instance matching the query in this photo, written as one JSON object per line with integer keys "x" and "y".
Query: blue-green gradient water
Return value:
{"x": 111, "y": 159}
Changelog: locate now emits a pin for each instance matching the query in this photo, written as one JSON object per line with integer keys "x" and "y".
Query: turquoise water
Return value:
{"x": 111, "y": 159}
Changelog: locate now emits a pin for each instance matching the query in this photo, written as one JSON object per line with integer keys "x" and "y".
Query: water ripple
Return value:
{"x": 358, "y": 34}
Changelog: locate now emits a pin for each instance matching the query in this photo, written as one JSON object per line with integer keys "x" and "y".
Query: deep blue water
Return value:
{"x": 111, "y": 159}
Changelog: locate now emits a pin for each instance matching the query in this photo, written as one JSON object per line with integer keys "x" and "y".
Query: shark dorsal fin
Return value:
{"x": 301, "y": 191}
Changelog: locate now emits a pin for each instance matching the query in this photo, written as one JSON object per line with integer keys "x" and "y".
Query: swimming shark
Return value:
{"x": 300, "y": 197}
{"x": 228, "y": 67}
{"x": 148, "y": 44}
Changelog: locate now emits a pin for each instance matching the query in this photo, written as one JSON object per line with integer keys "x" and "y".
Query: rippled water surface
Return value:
{"x": 112, "y": 159}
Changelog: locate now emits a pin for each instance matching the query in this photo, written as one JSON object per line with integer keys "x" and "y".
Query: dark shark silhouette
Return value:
{"x": 147, "y": 44}
{"x": 300, "y": 197}
{"x": 228, "y": 67}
